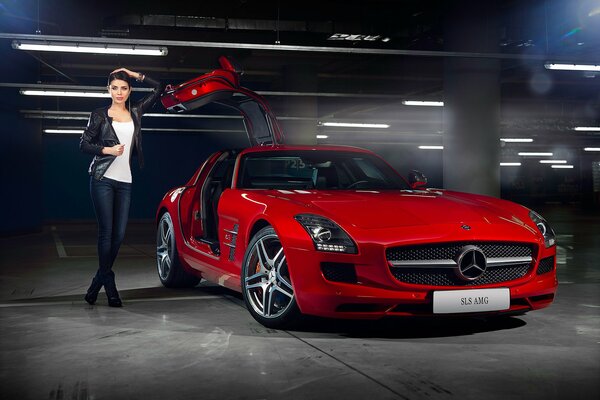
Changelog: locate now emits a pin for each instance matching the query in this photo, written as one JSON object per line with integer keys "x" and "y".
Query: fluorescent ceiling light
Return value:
{"x": 95, "y": 48}
{"x": 431, "y": 147}
{"x": 534, "y": 154}
{"x": 62, "y": 93}
{"x": 63, "y": 130}
{"x": 510, "y": 164}
{"x": 179, "y": 130}
{"x": 516, "y": 140}
{"x": 423, "y": 103}
{"x": 587, "y": 128}
{"x": 353, "y": 125}
{"x": 322, "y": 136}
{"x": 562, "y": 166}
{"x": 553, "y": 161}
{"x": 573, "y": 67}
{"x": 85, "y": 115}
{"x": 592, "y": 149}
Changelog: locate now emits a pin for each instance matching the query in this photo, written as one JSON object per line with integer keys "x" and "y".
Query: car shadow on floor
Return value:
{"x": 389, "y": 327}
{"x": 409, "y": 327}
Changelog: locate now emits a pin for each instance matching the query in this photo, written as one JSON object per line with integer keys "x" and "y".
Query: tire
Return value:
{"x": 170, "y": 270}
{"x": 266, "y": 284}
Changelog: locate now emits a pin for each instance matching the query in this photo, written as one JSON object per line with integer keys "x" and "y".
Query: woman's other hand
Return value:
{"x": 116, "y": 150}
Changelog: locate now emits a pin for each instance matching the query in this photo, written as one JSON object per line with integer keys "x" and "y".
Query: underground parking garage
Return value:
{"x": 358, "y": 199}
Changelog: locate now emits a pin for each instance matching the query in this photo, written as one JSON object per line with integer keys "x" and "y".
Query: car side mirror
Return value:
{"x": 416, "y": 179}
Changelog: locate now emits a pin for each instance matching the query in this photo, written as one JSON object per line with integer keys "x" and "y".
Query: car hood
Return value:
{"x": 388, "y": 209}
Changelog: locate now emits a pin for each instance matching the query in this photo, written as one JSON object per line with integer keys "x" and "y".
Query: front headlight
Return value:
{"x": 326, "y": 234}
{"x": 544, "y": 228}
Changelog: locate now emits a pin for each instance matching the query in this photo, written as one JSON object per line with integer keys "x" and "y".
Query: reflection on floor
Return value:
{"x": 202, "y": 343}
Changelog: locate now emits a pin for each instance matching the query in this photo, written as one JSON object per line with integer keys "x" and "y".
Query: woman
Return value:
{"x": 113, "y": 135}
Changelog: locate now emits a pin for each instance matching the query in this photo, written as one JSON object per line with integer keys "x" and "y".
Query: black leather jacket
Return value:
{"x": 99, "y": 132}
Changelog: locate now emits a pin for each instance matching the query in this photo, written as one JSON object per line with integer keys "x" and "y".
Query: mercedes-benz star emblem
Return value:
{"x": 471, "y": 263}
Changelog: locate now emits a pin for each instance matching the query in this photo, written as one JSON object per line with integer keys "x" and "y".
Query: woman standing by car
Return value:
{"x": 113, "y": 135}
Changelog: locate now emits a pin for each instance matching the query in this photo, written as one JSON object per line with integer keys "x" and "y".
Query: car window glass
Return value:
{"x": 327, "y": 170}
{"x": 368, "y": 169}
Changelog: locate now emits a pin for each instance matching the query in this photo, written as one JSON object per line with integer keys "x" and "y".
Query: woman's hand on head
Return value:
{"x": 131, "y": 74}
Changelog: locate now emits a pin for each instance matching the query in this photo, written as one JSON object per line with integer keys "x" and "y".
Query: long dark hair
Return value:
{"x": 121, "y": 75}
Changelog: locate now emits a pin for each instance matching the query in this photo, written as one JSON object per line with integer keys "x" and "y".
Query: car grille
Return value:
{"x": 435, "y": 265}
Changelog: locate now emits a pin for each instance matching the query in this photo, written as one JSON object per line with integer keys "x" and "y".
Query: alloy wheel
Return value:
{"x": 267, "y": 282}
{"x": 164, "y": 246}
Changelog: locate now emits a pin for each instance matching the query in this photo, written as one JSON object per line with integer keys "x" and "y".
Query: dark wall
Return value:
{"x": 20, "y": 152}
{"x": 533, "y": 184}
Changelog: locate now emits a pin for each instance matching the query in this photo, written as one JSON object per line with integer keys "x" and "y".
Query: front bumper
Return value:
{"x": 377, "y": 293}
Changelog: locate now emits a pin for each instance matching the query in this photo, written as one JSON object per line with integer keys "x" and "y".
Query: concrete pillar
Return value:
{"x": 472, "y": 99}
{"x": 300, "y": 78}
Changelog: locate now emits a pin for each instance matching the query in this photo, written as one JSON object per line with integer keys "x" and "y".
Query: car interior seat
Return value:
{"x": 327, "y": 178}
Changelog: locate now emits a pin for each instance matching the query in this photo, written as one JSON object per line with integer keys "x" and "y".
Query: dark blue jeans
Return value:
{"x": 111, "y": 201}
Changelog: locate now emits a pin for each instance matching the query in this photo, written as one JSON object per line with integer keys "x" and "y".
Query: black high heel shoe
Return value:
{"x": 111, "y": 291}
{"x": 92, "y": 293}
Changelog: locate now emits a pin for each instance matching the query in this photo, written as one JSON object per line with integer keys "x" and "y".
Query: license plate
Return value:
{"x": 474, "y": 300}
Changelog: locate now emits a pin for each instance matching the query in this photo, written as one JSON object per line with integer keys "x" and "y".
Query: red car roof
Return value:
{"x": 258, "y": 149}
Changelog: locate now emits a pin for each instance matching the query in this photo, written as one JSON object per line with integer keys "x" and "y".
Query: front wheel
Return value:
{"x": 170, "y": 270}
{"x": 266, "y": 284}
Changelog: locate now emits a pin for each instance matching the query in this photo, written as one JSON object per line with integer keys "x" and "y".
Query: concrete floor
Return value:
{"x": 202, "y": 343}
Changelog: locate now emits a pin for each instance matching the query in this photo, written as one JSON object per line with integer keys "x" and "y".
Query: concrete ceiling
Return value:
{"x": 362, "y": 80}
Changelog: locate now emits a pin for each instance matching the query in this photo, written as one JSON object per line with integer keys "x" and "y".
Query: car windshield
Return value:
{"x": 320, "y": 169}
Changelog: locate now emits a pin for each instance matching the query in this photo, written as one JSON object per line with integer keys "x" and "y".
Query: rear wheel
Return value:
{"x": 170, "y": 270}
{"x": 266, "y": 284}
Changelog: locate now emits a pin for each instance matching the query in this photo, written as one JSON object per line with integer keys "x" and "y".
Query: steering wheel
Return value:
{"x": 353, "y": 185}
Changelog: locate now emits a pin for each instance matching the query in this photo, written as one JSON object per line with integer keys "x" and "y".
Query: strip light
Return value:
{"x": 63, "y": 130}
{"x": 534, "y": 154}
{"x": 562, "y": 166}
{"x": 423, "y": 103}
{"x": 516, "y": 140}
{"x": 591, "y": 149}
{"x": 587, "y": 128}
{"x": 90, "y": 48}
{"x": 553, "y": 161}
{"x": 178, "y": 130}
{"x": 353, "y": 125}
{"x": 62, "y": 93}
{"x": 510, "y": 164}
{"x": 431, "y": 147}
{"x": 573, "y": 67}
{"x": 85, "y": 115}
{"x": 322, "y": 136}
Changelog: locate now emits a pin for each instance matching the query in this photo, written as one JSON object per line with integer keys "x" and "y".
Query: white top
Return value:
{"x": 120, "y": 169}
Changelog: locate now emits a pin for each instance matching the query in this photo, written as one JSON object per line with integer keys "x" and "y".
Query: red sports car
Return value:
{"x": 334, "y": 231}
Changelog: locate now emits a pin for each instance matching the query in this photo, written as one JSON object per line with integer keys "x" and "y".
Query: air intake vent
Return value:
{"x": 339, "y": 272}
{"x": 546, "y": 265}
